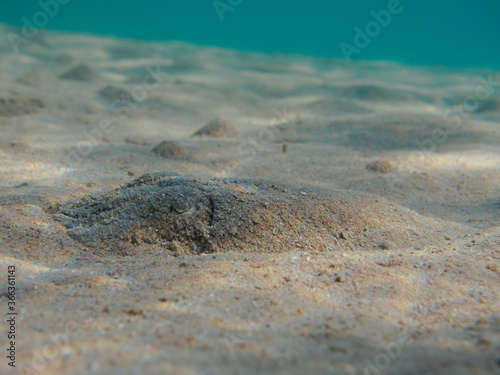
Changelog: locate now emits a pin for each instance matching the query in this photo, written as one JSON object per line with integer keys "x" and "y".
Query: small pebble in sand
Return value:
{"x": 285, "y": 148}
{"x": 218, "y": 128}
{"x": 381, "y": 166}
{"x": 82, "y": 73}
{"x": 170, "y": 150}
{"x": 116, "y": 93}
{"x": 19, "y": 106}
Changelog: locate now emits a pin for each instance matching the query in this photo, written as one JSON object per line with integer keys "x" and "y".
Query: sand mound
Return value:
{"x": 189, "y": 215}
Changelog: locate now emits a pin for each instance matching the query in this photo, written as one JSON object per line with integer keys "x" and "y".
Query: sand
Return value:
{"x": 81, "y": 115}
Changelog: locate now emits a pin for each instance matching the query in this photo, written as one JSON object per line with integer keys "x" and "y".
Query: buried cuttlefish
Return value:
{"x": 188, "y": 215}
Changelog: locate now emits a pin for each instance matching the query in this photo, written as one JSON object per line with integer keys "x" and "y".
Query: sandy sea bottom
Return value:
{"x": 81, "y": 115}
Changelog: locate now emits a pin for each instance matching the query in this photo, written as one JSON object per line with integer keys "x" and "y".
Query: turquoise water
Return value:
{"x": 455, "y": 33}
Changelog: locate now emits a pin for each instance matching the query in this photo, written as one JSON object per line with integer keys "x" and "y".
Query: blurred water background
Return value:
{"x": 453, "y": 33}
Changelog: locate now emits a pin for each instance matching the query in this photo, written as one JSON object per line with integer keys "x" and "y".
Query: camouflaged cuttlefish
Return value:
{"x": 188, "y": 215}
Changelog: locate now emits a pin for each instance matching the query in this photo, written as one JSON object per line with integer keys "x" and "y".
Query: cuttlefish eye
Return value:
{"x": 183, "y": 207}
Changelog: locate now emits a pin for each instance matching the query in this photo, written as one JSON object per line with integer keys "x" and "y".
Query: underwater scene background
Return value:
{"x": 250, "y": 187}
{"x": 460, "y": 33}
